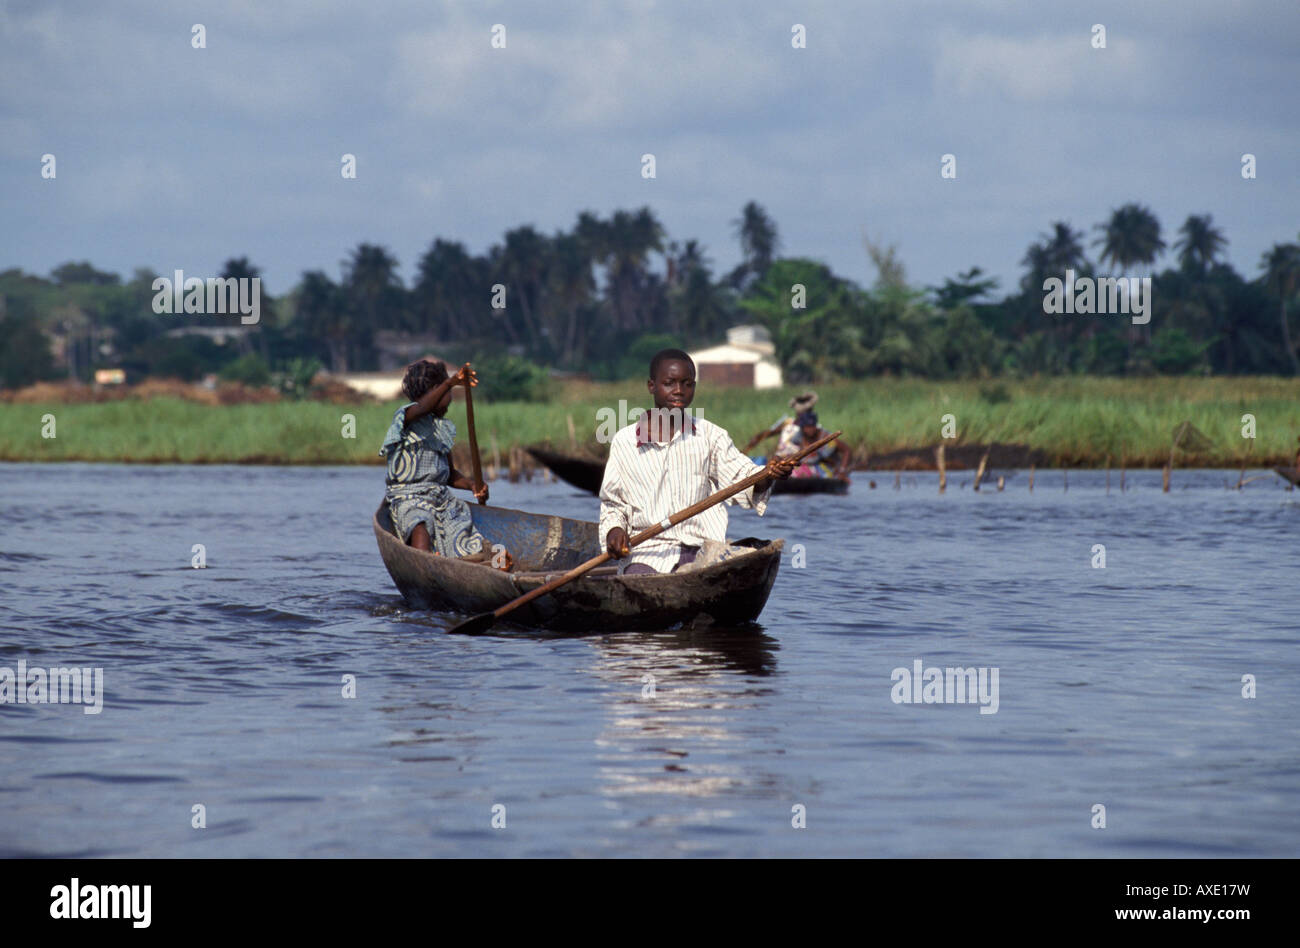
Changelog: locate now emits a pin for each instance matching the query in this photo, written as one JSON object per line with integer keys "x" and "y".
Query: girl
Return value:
{"x": 418, "y": 447}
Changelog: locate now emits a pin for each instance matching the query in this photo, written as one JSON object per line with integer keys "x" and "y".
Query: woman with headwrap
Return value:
{"x": 798, "y": 429}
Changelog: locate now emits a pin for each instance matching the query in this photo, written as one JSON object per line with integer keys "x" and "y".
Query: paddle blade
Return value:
{"x": 475, "y": 626}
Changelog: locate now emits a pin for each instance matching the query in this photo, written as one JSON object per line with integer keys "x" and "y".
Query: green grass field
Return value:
{"x": 1075, "y": 421}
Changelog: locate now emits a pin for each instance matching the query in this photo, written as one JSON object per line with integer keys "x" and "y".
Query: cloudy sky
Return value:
{"x": 171, "y": 157}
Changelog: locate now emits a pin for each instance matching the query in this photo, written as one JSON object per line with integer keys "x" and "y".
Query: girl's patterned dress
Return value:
{"x": 791, "y": 441}
{"x": 419, "y": 466}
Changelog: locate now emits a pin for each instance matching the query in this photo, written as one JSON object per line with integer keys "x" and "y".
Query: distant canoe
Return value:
{"x": 730, "y": 592}
{"x": 1292, "y": 474}
{"x": 583, "y": 473}
{"x": 812, "y": 485}
{"x": 586, "y": 474}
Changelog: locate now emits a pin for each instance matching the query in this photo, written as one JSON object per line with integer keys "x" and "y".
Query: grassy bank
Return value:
{"x": 1074, "y": 421}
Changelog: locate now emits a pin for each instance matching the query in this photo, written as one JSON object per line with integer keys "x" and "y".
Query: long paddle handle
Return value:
{"x": 474, "y": 459}
{"x": 654, "y": 531}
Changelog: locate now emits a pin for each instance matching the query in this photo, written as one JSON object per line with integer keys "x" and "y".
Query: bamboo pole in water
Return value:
{"x": 979, "y": 473}
{"x": 1031, "y": 478}
{"x": 943, "y": 470}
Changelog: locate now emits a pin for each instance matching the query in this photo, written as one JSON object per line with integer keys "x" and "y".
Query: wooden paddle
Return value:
{"x": 484, "y": 621}
{"x": 474, "y": 459}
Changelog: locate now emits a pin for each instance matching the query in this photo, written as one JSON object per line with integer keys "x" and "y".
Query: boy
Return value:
{"x": 667, "y": 461}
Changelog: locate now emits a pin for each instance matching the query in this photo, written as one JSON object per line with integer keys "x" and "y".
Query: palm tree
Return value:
{"x": 1199, "y": 244}
{"x": 968, "y": 287}
{"x": 630, "y": 239}
{"x": 451, "y": 291}
{"x": 1038, "y": 267}
{"x": 697, "y": 306}
{"x": 1281, "y": 267}
{"x": 523, "y": 263}
{"x": 239, "y": 268}
{"x": 1063, "y": 249}
{"x": 321, "y": 313}
{"x": 759, "y": 242}
{"x": 373, "y": 295}
{"x": 1131, "y": 236}
{"x": 571, "y": 291}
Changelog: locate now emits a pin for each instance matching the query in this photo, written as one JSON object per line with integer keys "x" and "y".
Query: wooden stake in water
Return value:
{"x": 1002, "y": 482}
{"x": 1031, "y": 478}
{"x": 979, "y": 472}
{"x": 1241, "y": 479}
{"x": 943, "y": 470}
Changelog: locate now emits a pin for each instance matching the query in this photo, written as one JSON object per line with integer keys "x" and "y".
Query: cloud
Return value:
{"x": 1038, "y": 69}
{"x": 614, "y": 74}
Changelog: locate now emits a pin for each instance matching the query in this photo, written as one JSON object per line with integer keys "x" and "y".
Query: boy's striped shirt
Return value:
{"x": 646, "y": 482}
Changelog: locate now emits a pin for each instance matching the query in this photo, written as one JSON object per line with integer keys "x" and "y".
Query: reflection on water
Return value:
{"x": 667, "y": 714}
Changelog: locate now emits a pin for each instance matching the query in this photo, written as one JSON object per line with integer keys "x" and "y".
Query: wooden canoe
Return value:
{"x": 729, "y": 592}
{"x": 583, "y": 473}
{"x": 812, "y": 485}
{"x": 587, "y": 473}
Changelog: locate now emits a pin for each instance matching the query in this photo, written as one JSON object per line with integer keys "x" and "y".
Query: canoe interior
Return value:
{"x": 731, "y": 592}
{"x": 537, "y": 542}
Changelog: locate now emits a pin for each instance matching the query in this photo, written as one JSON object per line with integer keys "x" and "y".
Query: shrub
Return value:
{"x": 250, "y": 369}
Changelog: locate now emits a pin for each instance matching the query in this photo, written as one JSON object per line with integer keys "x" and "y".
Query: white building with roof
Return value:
{"x": 747, "y": 358}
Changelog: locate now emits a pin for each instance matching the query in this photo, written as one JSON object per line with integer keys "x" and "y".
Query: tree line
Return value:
{"x": 603, "y": 295}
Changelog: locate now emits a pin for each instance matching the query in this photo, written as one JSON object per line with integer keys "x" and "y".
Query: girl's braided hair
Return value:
{"x": 422, "y": 376}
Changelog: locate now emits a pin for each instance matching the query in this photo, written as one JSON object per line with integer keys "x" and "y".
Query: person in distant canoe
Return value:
{"x": 418, "y": 446}
{"x": 667, "y": 461}
{"x": 830, "y": 460}
{"x": 785, "y": 426}
{"x": 802, "y": 428}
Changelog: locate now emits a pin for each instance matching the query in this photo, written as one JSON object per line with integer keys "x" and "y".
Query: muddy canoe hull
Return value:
{"x": 731, "y": 592}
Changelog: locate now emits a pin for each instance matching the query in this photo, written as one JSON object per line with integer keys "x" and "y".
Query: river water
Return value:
{"x": 1119, "y": 687}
